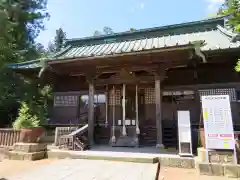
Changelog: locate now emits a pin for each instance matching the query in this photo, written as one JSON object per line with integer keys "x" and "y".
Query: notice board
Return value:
{"x": 218, "y": 126}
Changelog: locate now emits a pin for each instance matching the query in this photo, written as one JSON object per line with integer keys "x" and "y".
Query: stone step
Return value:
{"x": 126, "y": 141}
{"x": 164, "y": 159}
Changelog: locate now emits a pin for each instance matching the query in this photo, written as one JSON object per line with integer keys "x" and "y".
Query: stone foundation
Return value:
{"x": 177, "y": 162}
{"x": 216, "y": 169}
{"x": 13, "y": 155}
{"x": 216, "y": 156}
{"x": 29, "y": 147}
{"x": 26, "y": 151}
{"x": 221, "y": 163}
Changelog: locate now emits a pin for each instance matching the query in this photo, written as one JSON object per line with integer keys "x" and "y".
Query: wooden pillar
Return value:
{"x": 106, "y": 107}
{"x": 113, "y": 139}
{"x": 91, "y": 113}
{"x": 158, "y": 97}
{"x": 136, "y": 106}
{"x": 124, "y": 131}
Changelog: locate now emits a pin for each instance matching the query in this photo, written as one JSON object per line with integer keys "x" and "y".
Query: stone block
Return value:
{"x": 201, "y": 152}
{"x": 178, "y": 162}
{"x": 232, "y": 171}
{"x": 216, "y": 156}
{"x": 13, "y": 155}
{"x": 223, "y": 157}
{"x": 212, "y": 169}
{"x": 164, "y": 161}
{"x": 29, "y": 147}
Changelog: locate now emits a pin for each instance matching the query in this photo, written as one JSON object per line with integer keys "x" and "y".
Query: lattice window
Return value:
{"x": 149, "y": 95}
{"x": 118, "y": 97}
{"x": 65, "y": 100}
{"x": 114, "y": 100}
{"x": 225, "y": 91}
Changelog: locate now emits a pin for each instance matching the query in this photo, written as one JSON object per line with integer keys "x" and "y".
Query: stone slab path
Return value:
{"x": 79, "y": 169}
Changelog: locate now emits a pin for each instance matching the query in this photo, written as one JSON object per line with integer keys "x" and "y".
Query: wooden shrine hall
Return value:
{"x": 129, "y": 86}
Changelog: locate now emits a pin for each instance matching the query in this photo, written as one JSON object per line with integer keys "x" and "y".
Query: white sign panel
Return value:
{"x": 218, "y": 124}
{"x": 184, "y": 133}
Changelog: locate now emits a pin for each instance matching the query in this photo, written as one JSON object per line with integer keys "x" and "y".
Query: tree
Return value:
{"x": 231, "y": 8}
{"x": 58, "y": 41}
{"x": 97, "y": 33}
{"x": 132, "y": 29}
{"x": 21, "y": 21}
{"x": 106, "y": 31}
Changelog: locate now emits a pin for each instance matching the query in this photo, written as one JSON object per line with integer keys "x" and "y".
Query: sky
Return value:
{"x": 80, "y": 18}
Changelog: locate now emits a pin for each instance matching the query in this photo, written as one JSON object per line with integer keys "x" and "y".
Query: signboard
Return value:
{"x": 218, "y": 124}
{"x": 184, "y": 133}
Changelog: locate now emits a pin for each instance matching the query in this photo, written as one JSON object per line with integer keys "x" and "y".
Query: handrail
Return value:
{"x": 79, "y": 131}
{"x": 75, "y": 140}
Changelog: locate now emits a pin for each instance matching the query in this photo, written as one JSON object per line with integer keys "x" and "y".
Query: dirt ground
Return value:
{"x": 8, "y": 168}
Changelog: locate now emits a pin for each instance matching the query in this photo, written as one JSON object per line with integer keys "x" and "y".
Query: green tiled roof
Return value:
{"x": 211, "y": 31}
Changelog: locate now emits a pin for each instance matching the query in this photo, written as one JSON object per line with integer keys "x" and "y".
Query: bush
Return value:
{"x": 26, "y": 119}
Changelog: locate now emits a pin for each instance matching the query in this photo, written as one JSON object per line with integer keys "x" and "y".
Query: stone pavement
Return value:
{"x": 69, "y": 169}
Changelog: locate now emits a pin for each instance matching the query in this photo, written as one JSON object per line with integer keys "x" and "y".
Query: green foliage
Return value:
{"x": 237, "y": 67}
{"x": 21, "y": 21}
{"x": 33, "y": 111}
{"x": 132, "y": 29}
{"x": 26, "y": 119}
{"x": 58, "y": 42}
{"x": 106, "y": 31}
{"x": 231, "y": 8}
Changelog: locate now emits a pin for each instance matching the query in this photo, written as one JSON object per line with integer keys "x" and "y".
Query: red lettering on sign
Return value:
{"x": 225, "y": 135}
{"x": 212, "y": 135}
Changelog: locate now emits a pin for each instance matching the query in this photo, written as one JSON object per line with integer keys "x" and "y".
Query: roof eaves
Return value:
{"x": 61, "y": 52}
{"x": 24, "y": 65}
{"x": 71, "y": 59}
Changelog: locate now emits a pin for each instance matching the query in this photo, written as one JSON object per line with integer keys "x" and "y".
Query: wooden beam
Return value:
{"x": 140, "y": 79}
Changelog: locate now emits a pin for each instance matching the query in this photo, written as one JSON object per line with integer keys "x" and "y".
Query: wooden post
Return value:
{"x": 56, "y": 142}
{"x": 124, "y": 132}
{"x": 113, "y": 139}
{"x": 137, "y": 121}
{"x": 158, "y": 97}
{"x": 91, "y": 113}
{"x": 106, "y": 106}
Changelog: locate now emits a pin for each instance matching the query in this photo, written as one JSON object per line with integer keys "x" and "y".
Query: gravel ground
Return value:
{"x": 10, "y": 167}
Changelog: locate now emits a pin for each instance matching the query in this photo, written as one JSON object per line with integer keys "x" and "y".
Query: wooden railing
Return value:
{"x": 61, "y": 131}
{"x": 8, "y": 137}
{"x": 76, "y": 140}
